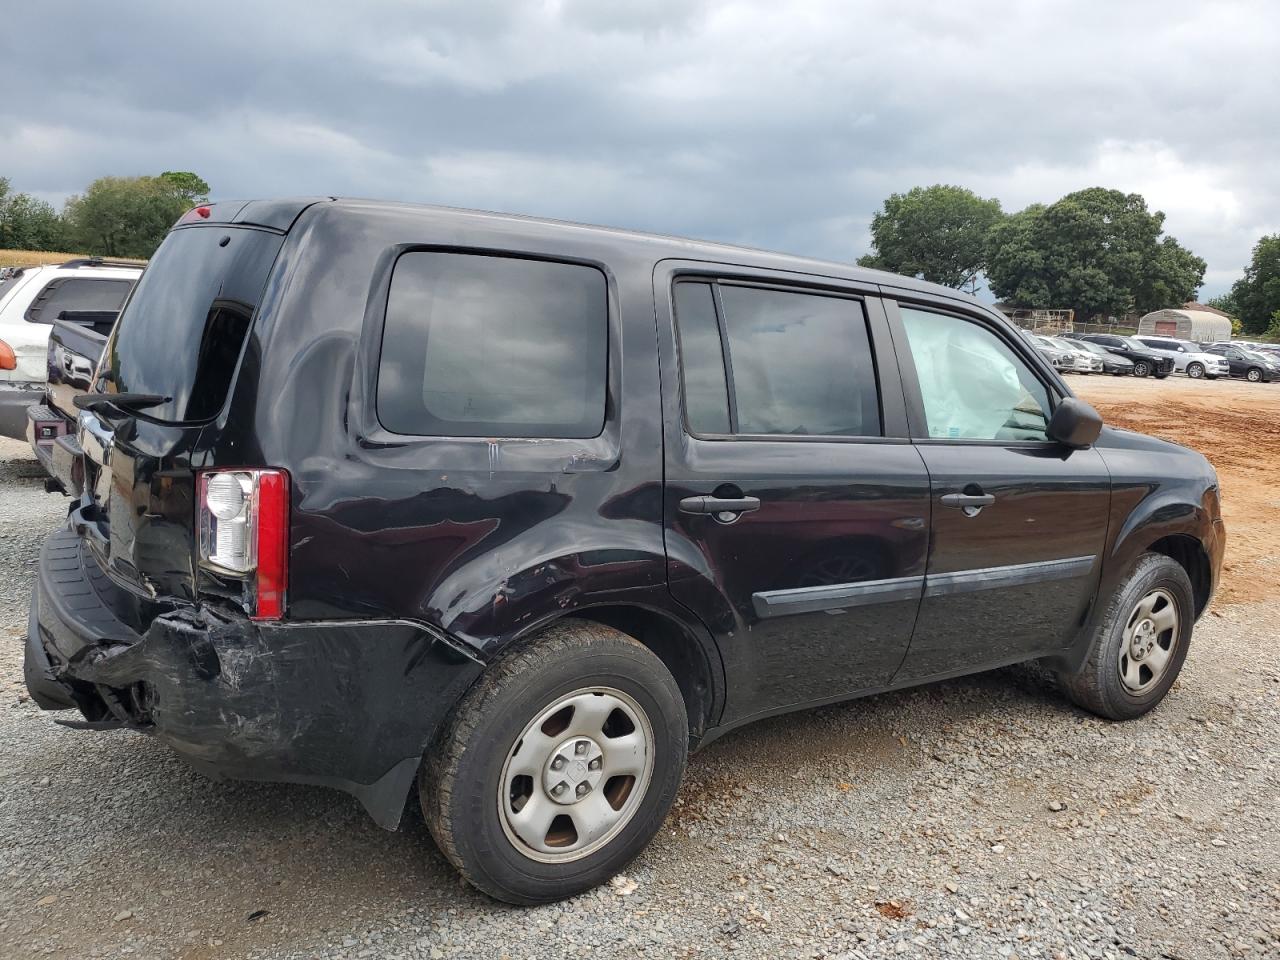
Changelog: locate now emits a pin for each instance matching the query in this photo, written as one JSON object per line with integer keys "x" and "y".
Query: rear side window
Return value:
{"x": 181, "y": 333}
{"x": 775, "y": 362}
{"x": 483, "y": 346}
{"x": 77, "y": 293}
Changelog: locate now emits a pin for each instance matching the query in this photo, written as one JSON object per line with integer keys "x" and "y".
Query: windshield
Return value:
{"x": 181, "y": 332}
{"x": 1133, "y": 344}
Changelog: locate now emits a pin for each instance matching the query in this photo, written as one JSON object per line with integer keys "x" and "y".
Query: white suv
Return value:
{"x": 1188, "y": 358}
{"x": 31, "y": 298}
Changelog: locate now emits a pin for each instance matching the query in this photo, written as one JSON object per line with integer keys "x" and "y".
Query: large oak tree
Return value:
{"x": 1096, "y": 251}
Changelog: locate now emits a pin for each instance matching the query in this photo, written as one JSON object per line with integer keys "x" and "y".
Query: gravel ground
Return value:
{"x": 975, "y": 818}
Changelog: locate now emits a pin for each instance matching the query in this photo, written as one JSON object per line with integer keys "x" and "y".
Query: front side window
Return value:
{"x": 973, "y": 385}
{"x": 484, "y": 346}
{"x": 798, "y": 364}
{"x": 77, "y": 293}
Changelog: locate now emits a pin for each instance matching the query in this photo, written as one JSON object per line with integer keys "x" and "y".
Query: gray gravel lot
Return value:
{"x": 976, "y": 818}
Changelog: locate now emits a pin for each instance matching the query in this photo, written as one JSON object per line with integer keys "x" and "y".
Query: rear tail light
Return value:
{"x": 243, "y": 521}
{"x": 8, "y": 361}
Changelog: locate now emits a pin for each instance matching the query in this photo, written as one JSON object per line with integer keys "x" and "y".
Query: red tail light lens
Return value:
{"x": 8, "y": 360}
{"x": 243, "y": 529}
{"x": 273, "y": 544}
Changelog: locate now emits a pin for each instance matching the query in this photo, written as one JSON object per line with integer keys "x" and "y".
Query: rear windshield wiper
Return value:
{"x": 123, "y": 402}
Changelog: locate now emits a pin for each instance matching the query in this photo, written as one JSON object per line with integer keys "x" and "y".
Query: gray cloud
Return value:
{"x": 781, "y": 125}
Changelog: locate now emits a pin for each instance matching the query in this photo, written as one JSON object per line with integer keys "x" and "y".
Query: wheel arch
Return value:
{"x": 1189, "y": 553}
{"x": 688, "y": 652}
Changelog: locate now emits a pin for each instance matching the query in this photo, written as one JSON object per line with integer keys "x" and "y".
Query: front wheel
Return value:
{"x": 1139, "y": 647}
{"x": 559, "y": 766}
{"x": 1195, "y": 370}
{"x": 1141, "y": 368}
{"x": 1254, "y": 375}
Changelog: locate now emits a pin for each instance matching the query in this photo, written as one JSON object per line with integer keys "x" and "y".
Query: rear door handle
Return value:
{"x": 967, "y": 499}
{"x": 970, "y": 503}
{"x": 714, "y": 505}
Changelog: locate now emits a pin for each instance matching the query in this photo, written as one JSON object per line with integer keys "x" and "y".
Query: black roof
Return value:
{"x": 280, "y": 214}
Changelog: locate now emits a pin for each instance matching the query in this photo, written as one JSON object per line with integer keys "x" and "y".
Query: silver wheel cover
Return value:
{"x": 576, "y": 775}
{"x": 1149, "y": 641}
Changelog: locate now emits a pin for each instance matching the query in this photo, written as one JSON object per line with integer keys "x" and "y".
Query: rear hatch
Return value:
{"x": 165, "y": 374}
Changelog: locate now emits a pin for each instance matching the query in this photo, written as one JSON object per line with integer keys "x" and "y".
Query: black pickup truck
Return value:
{"x": 75, "y": 344}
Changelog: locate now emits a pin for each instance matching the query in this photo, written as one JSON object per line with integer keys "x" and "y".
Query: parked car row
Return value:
{"x": 1154, "y": 356}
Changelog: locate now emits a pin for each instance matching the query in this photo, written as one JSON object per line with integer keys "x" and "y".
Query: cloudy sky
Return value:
{"x": 774, "y": 124}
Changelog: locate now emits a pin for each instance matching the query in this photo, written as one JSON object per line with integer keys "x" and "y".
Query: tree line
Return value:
{"x": 114, "y": 217}
{"x": 1095, "y": 251}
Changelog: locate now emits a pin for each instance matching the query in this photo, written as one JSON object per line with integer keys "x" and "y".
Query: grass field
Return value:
{"x": 35, "y": 258}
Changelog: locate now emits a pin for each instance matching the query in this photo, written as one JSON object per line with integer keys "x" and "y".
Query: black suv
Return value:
{"x": 370, "y": 495}
{"x": 1146, "y": 362}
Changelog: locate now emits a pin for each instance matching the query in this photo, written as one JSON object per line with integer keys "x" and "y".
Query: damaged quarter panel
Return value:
{"x": 484, "y": 538}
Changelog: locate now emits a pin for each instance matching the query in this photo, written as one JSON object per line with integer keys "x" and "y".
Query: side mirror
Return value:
{"x": 1074, "y": 423}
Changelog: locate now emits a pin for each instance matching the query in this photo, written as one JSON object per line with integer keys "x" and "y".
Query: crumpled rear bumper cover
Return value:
{"x": 347, "y": 704}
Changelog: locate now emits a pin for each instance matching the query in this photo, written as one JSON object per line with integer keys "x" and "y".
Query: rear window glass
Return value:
{"x": 181, "y": 333}
{"x": 77, "y": 293}
{"x": 482, "y": 346}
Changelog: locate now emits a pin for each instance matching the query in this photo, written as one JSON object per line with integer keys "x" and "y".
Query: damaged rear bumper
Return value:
{"x": 346, "y": 704}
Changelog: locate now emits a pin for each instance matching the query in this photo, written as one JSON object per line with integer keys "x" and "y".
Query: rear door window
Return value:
{"x": 771, "y": 362}
{"x": 489, "y": 346}
{"x": 77, "y": 293}
{"x": 181, "y": 333}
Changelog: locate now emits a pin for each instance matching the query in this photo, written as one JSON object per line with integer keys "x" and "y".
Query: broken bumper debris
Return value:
{"x": 348, "y": 704}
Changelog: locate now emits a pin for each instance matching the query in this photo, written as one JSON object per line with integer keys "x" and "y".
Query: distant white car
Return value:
{"x": 31, "y": 298}
{"x": 1085, "y": 361}
{"x": 1188, "y": 358}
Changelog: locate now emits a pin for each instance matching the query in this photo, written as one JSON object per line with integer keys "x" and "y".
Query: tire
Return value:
{"x": 1123, "y": 689}
{"x": 472, "y": 791}
{"x": 1141, "y": 368}
{"x": 1254, "y": 375}
{"x": 1195, "y": 370}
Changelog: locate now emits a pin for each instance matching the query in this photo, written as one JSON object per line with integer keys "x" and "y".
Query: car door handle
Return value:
{"x": 714, "y": 505}
{"x": 970, "y": 503}
{"x": 967, "y": 499}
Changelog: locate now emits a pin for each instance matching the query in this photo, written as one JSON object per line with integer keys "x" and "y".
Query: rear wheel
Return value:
{"x": 558, "y": 766}
{"x": 1141, "y": 368}
{"x": 1195, "y": 370}
{"x": 1139, "y": 647}
{"x": 1254, "y": 375}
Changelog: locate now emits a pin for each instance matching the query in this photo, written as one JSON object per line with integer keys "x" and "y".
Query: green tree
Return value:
{"x": 1173, "y": 278}
{"x": 1096, "y": 251}
{"x": 1256, "y": 296}
{"x": 1015, "y": 260}
{"x": 1226, "y": 303}
{"x": 188, "y": 185}
{"x": 129, "y": 216}
{"x": 28, "y": 223}
{"x": 938, "y": 233}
